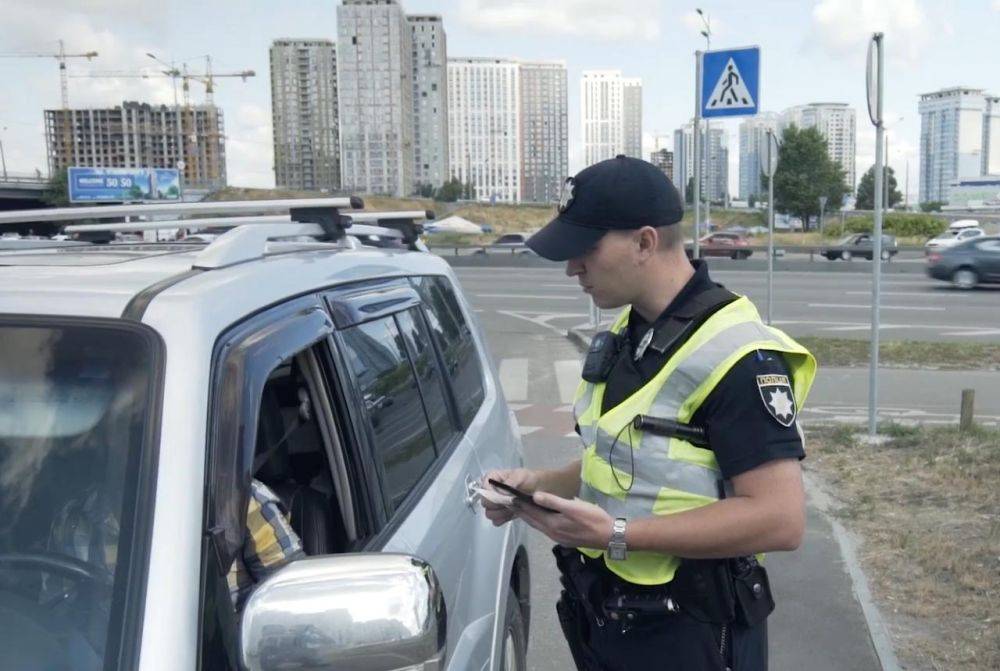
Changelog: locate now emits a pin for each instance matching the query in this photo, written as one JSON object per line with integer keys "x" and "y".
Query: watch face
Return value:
{"x": 616, "y": 551}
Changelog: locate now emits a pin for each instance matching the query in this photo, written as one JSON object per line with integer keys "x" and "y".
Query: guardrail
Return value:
{"x": 513, "y": 250}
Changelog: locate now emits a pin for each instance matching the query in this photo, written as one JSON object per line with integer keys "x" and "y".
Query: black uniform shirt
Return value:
{"x": 741, "y": 431}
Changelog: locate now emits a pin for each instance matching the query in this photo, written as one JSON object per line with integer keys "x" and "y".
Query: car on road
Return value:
{"x": 957, "y": 233}
{"x": 967, "y": 264}
{"x": 725, "y": 243}
{"x": 513, "y": 243}
{"x": 860, "y": 245}
{"x": 145, "y": 388}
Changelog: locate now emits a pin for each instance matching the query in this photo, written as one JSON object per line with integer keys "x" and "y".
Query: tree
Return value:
{"x": 424, "y": 190}
{"x": 752, "y": 200}
{"x": 931, "y": 206}
{"x": 805, "y": 172}
{"x": 866, "y": 190}
{"x": 689, "y": 191}
{"x": 56, "y": 193}
{"x": 450, "y": 191}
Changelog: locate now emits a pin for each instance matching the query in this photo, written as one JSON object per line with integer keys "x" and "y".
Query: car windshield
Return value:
{"x": 948, "y": 234}
{"x": 846, "y": 240}
{"x": 75, "y": 413}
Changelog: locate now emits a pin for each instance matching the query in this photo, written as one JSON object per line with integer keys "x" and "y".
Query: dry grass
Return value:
{"x": 926, "y": 505}
{"x": 905, "y": 353}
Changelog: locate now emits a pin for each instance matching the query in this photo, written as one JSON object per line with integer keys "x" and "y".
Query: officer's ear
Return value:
{"x": 648, "y": 241}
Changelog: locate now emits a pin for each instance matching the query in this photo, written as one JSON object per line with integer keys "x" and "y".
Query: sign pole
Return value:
{"x": 875, "y": 111}
{"x": 771, "y": 142}
{"x": 696, "y": 150}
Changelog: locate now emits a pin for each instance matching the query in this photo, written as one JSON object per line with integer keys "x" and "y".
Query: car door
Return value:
{"x": 411, "y": 425}
{"x": 988, "y": 258}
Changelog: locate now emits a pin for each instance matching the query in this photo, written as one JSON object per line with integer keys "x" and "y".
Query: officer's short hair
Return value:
{"x": 670, "y": 236}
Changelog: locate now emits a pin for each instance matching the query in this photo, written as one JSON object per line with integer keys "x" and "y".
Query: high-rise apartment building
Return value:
{"x": 959, "y": 138}
{"x": 683, "y": 156}
{"x": 632, "y": 113}
{"x": 375, "y": 97}
{"x": 430, "y": 100}
{"x": 544, "y": 131}
{"x": 664, "y": 160}
{"x": 715, "y": 164}
{"x": 836, "y": 123}
{"x": 304, "y": 114}
{"x": 484, "y": 115}
{"x": 139, "y": 135}
{"x": 611, "y": 115}
{"x": 753, "y": 142}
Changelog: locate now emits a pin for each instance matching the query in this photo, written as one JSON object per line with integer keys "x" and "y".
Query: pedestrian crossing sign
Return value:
{"x": 730, "y": 82}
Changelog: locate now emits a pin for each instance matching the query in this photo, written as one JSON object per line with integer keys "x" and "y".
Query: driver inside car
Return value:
{"x": 86, "y": 529}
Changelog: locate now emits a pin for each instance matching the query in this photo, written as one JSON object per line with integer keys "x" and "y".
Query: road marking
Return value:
{"x": 542, "y": 319}
{"x": 974, "y": 333}
{"x": 865, "y": 327}
{"x": 514, "y": 379}
{"x": 568, "y": 378}
{"x": 545, "y": 297}
{"x": 920, "y": 308}
{"x": 922, "y": 294}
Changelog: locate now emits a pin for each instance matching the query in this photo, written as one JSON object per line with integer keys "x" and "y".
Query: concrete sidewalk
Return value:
{"x": 824, "y": 619}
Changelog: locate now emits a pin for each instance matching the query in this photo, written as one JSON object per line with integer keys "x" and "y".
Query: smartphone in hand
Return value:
{"x": 519, "y": 495}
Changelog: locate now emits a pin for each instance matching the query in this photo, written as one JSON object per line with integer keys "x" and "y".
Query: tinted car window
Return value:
{"x": 404, "y": 447}
{"x": 989, "y": 246}
{"x": 453, "y": 337}
{"x": 432, "y": 391}
{"x": 75, "y": 406}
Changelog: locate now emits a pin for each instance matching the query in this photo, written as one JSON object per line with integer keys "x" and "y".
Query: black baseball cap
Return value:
{"x": 618, "y": 194}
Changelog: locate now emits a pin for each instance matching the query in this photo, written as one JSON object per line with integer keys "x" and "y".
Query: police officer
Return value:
{"x": 690, "y": 464}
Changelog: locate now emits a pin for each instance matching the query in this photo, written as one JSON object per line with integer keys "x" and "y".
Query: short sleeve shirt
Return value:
{"x": 741, "y": 431}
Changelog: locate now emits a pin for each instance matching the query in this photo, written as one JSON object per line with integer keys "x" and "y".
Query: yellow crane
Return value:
{"x": 206, "y": 78}
{"x": 61, "y": 57}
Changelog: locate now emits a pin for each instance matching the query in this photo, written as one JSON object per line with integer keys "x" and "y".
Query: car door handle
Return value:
{"x": 471, "y": 485}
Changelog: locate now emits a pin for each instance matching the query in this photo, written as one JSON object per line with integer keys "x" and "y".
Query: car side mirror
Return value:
{"x": 376, "y": 612}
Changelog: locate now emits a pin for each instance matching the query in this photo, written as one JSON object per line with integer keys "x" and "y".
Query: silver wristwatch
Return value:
{"x": 617, "y": 549}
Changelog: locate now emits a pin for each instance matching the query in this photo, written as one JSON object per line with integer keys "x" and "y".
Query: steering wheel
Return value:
{"x": 67, "y": 566}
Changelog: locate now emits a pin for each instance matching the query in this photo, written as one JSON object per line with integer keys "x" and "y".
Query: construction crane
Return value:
{"x": 207, "y": 78}
{"x": 61, "y": 57}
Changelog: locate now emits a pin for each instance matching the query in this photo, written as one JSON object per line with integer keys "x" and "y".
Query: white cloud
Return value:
{"x": 619, "y": 21}
{"x": 844, "y": 27}
{"x": 996, "y": 5}
{"x": 249, "y": 147}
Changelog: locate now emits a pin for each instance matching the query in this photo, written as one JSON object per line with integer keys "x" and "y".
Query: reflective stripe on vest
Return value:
{"x": 669, "y": 475}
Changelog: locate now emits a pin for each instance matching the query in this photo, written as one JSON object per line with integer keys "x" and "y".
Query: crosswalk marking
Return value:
{"x": 568, "y": 378}
{"x": 514, "y": 379}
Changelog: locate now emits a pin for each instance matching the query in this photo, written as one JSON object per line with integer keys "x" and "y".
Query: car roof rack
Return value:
{"x": 220, "y": 207}
{"x": 248, "y": 236}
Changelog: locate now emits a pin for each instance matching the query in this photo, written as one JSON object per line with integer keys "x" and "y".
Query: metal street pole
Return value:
{"x": 3, "y": 160}
{"x": 822, "y": 207}
{"x": 707, "y": 33}
{"x": 771, "y": 160}
{"x": 876, "y": 116}
{"x": 695, "y": 149}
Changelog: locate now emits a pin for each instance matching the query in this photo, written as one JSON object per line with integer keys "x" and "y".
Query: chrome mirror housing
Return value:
{"x": 352, "y": 612}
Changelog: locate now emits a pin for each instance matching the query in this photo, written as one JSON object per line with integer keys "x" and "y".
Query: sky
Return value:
{"x": 811, "y": 51}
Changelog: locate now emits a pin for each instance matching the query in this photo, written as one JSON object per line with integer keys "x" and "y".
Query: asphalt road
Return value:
{"x": 914, "y": 307}
{"x": 818, "y": 624}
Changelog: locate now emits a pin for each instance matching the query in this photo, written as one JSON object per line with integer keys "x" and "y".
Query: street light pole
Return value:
{"x": 707, "y": 34}
{"x": 3, "y": 159}
{"x": 695, "y": 151}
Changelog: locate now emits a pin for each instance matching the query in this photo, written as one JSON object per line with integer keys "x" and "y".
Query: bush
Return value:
{"x": 898, "y": 224}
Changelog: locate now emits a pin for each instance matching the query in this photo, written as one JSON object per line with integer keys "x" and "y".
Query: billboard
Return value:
{"x": 118, "y": 185}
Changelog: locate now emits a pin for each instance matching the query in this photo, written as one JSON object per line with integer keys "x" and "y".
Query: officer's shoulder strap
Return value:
{"x": 684, "y": 321}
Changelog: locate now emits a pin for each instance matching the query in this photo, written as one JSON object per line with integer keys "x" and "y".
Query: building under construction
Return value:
{"x": 139, "y": 135}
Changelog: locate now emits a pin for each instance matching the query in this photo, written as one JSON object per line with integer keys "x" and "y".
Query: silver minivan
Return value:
{"x": 145, "y": 386}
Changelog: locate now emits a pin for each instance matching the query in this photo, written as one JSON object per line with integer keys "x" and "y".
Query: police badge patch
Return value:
{"x": 776, "y": 393}
{"x": 566, "y": 197}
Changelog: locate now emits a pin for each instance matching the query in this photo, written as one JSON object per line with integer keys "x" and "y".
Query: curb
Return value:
{"x": 877, "y": 630}
{"x": 578, "y": 338}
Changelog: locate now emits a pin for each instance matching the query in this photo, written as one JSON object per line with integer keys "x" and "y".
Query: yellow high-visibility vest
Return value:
{"x": 670, "y": 475}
